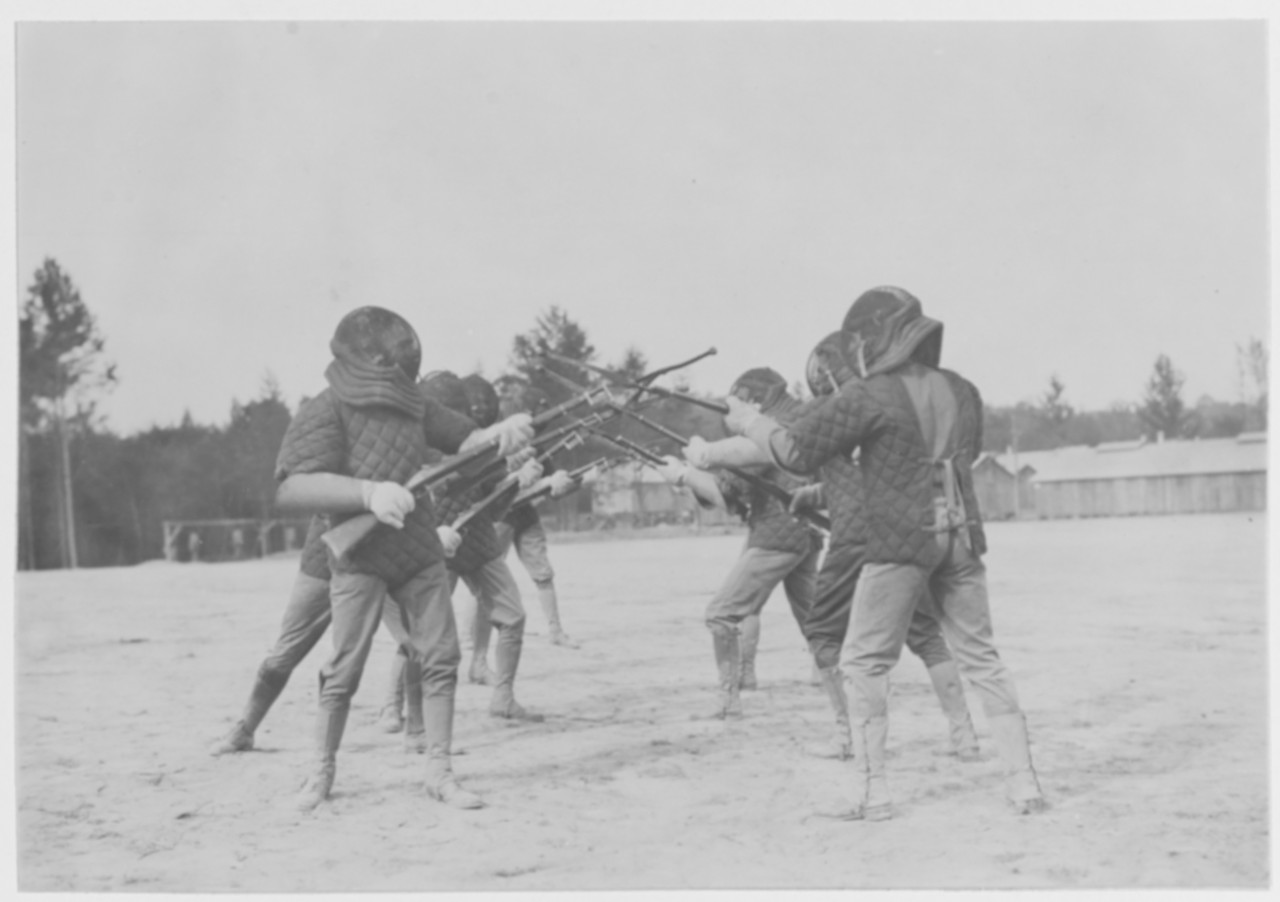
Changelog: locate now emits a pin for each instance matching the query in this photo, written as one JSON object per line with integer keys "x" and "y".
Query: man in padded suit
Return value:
{"x": 477, "y": 558}
{"x": 828, "y": 621}
{"x": 827, "y": 616}
{"x": 347, "y": 451}
{"x": 307, "y": 614}
{"x": 917, "y": 430}
{"x": 780, "y": 548}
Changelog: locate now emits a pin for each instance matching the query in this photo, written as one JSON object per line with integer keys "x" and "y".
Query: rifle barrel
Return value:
{"x": 643, "y": 382}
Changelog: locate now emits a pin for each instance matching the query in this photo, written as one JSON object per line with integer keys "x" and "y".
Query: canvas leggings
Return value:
{"x": 883, "y": 608}
{"x": 827, "y": 625}
{"x": 425, "y": 627}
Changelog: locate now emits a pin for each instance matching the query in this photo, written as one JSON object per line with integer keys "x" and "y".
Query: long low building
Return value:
{"x": 1126, "y": 478}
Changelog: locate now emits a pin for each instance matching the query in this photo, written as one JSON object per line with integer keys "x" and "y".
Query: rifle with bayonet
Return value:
{"x": 644, "y": 383}
{"x": 761, "y": 482}
{"x": 467, "y": 467}
{"x": 637, "y": 452}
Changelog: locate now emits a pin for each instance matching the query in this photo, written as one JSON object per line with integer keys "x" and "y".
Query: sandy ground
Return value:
{"x": 1139, "y": 647}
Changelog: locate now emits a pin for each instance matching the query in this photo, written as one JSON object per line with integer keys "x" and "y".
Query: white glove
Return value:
{"x": 741, "y": 414}
{"x": 674, "y": 470}
{"x": 513, "y": 433}
{"x": 450, "y": 538}
{"x": 561, "y": 482}
{"x": 389, "y": 501}
{"x": 528, "y": 473}
{"x": 698, "y": 452}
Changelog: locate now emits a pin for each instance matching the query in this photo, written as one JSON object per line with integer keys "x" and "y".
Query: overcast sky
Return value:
{"x": 1067, "y": 198}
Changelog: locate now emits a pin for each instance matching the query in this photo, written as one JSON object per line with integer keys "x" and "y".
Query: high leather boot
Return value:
{"x": 870, "y": 800}
{"x": 724, "y": 641}
{"x": 415, "y": 738}
{"x": 551, "y": 610}
{"x": 946, "y": 683}
{"x": 390, "y": 719}
{"x": 838, "y": 745}
{"x": 267, "y": 687}
{"x": 507, "y": 657}
{"x": 328, "y": 736}
{"x": 440, "y": 782}
{"x": 748, "y": 642}
{"x": 479, "y": 671}
{"x": 1021, "y": 784}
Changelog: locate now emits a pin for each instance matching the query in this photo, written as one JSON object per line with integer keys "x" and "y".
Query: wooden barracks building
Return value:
{"x": 1118, "y": 479}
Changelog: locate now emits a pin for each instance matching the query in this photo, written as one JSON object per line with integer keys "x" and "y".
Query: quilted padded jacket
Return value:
{"x": 771, "y": 526}
{"x": 376, "y": 443}
{"x": 878, "y": 417}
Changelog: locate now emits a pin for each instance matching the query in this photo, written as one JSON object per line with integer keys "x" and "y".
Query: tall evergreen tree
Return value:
{"x": 62, "y": 368}
{"x": 554, "y": 332}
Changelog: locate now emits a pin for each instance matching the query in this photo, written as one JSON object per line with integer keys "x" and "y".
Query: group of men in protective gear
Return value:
{"x": 348, "y": 451}
{"x": 886, "y": 447}
{"x": 890, "y": 439}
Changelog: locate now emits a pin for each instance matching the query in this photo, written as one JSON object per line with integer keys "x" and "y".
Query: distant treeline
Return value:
{"x": 124, "y": 488}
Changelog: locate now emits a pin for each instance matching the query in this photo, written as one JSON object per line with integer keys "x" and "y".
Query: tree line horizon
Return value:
{"x": 91, "y": 497}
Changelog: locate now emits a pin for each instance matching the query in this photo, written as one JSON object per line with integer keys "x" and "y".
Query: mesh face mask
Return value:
{"x": 762, "y": 387}
{"x": 826, "y": 370}
{"x": 382, "y": 338}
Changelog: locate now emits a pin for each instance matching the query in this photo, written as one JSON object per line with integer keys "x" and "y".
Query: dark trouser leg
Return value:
{"x": 827, "y": 623}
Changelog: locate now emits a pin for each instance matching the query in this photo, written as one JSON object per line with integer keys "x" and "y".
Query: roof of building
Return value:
{"x": 1247, "y": 453}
